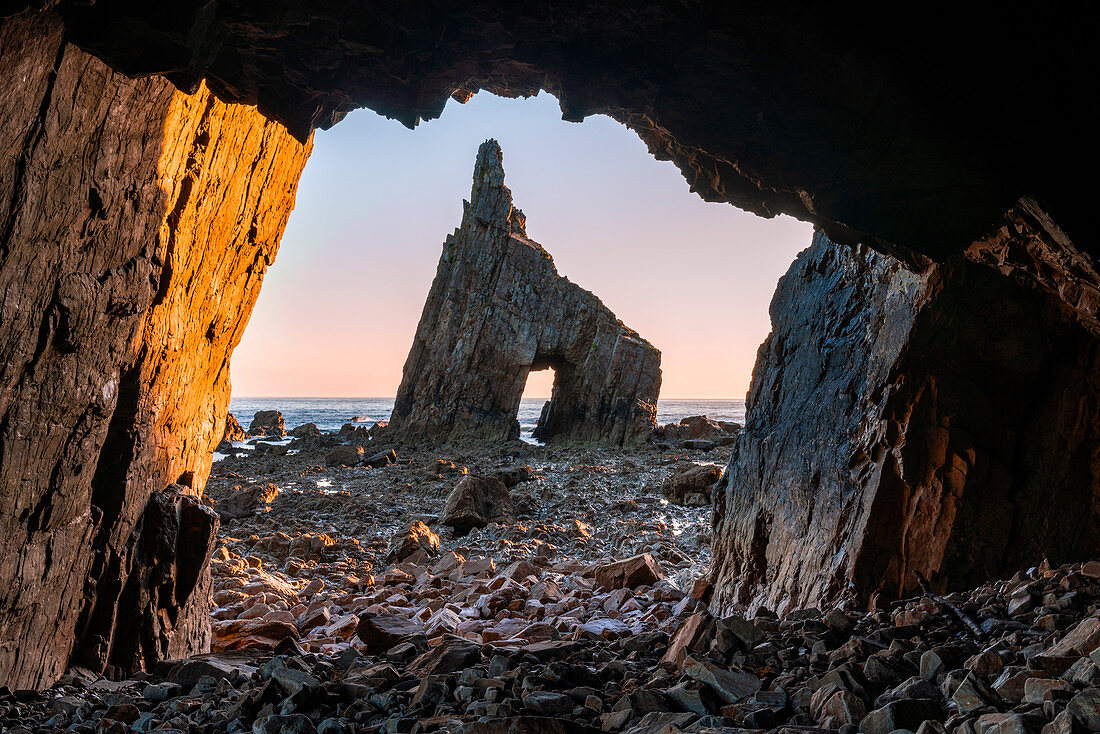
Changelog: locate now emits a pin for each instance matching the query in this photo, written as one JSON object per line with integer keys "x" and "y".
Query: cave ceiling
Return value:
{"x": 912, "y": 131}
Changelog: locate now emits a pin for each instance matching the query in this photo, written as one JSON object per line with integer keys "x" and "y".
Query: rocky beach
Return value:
{"x": 365, "y": 585}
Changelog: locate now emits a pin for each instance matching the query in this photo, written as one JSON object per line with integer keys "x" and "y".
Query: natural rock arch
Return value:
{"x": 136, "y": 220}
{"x": 497, "y": 310}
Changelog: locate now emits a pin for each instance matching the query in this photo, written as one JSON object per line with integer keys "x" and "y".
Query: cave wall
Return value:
{"x": 136, "y": 223}
{"x": 943, "y": 421}
{"x": 496, "y": 310}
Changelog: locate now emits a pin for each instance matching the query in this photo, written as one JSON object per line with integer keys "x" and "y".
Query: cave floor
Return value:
{"x": 328, "y": 618}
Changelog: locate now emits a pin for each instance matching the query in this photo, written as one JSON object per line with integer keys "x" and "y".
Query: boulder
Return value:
{"x": 310, "y": 546}
{"x": 306, "y": 430}
{"x": 699, "y": 426}
{"x": 251, "y": 634}
{"x": 381, "y": 458}
{"x": 267, "y": 423}
{"x": 415, "y": 537}
{"x": 247, "y": 501}
{"x": 451, "y": 655}
{"x": 344, "y": 455}
{"x": 640, "y": 570}
{"x": 905, "y": 714}
{"x": 380, "y": 632}
{"x": 693, "y": 630}
{"x": 516, "y": 475}
{"x": 691, "y": 485}
{"x": 349, "y": 431}
{"x": 230, "y": 666}
{"x": 270, "y": 449}
{"x": 730, "y": 685}
{"x": 475, "y": 502}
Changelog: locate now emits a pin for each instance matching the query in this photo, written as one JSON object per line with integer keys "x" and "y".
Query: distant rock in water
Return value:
{"x": 306, "y": 430}
{"x": 498, "y": 310}
{"x": 267, "y": 423}
{"x": 698, "y": 431}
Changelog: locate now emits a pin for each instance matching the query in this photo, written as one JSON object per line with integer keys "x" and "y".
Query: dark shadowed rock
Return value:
{"x": 248, "y": 501}
{"x": 517, "y": 475}
{"x": 692, "y": 485}
{"x": 349, "y": 431}
{"x": 882, "y": 390}
{"x": 452, "y": 654}
{"x": 475, "y": 502}
{"x": 284, "y": 724}
{"x": 548, "y": 703}
{"x": 730, "y": 685}
{"x": 498, "y": 310}
{"x": 381, "y": 458}
{"x": 380, "y": 632}
{"x": 230, "y": 666}
{"x": 906, "y": 714}
{"x": 528, "y": 725}
{"x": 306, "y": 430}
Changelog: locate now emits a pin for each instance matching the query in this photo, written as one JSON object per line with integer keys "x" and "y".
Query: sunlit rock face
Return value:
{"x": 498, "y": 309}
{"x": 136, "y": 223}
{"x": 941, "y": 422}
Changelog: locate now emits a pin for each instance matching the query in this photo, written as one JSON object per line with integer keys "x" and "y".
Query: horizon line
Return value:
{"x": 393, "y": 397}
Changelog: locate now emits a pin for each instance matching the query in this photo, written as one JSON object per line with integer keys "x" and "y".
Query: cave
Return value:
{"x": 150, "y": 166}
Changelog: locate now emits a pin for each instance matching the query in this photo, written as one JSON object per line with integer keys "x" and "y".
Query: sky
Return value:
{"x": 339, "y": 307}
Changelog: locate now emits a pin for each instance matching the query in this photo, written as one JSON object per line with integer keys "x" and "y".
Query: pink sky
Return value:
{"x": 340, "y": 305}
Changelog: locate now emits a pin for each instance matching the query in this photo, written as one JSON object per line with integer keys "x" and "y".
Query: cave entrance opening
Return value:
{"x": 535, "y": 406}
{"x": 376, "y": 201}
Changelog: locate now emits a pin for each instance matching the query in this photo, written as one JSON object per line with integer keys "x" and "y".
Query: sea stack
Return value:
{"x": 497, "y": 310}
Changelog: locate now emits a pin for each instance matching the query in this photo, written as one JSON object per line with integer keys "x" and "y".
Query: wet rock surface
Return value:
{"x": 497, "y": 310}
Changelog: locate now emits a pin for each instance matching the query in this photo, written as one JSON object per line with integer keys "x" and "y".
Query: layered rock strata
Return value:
{"x": 136, "y": 223}
{"x": 940, "y": 422}
{"x": 498, "y": 309}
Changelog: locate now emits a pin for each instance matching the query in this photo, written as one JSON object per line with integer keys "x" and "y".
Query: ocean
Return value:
{"x": 331, "y": 413}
